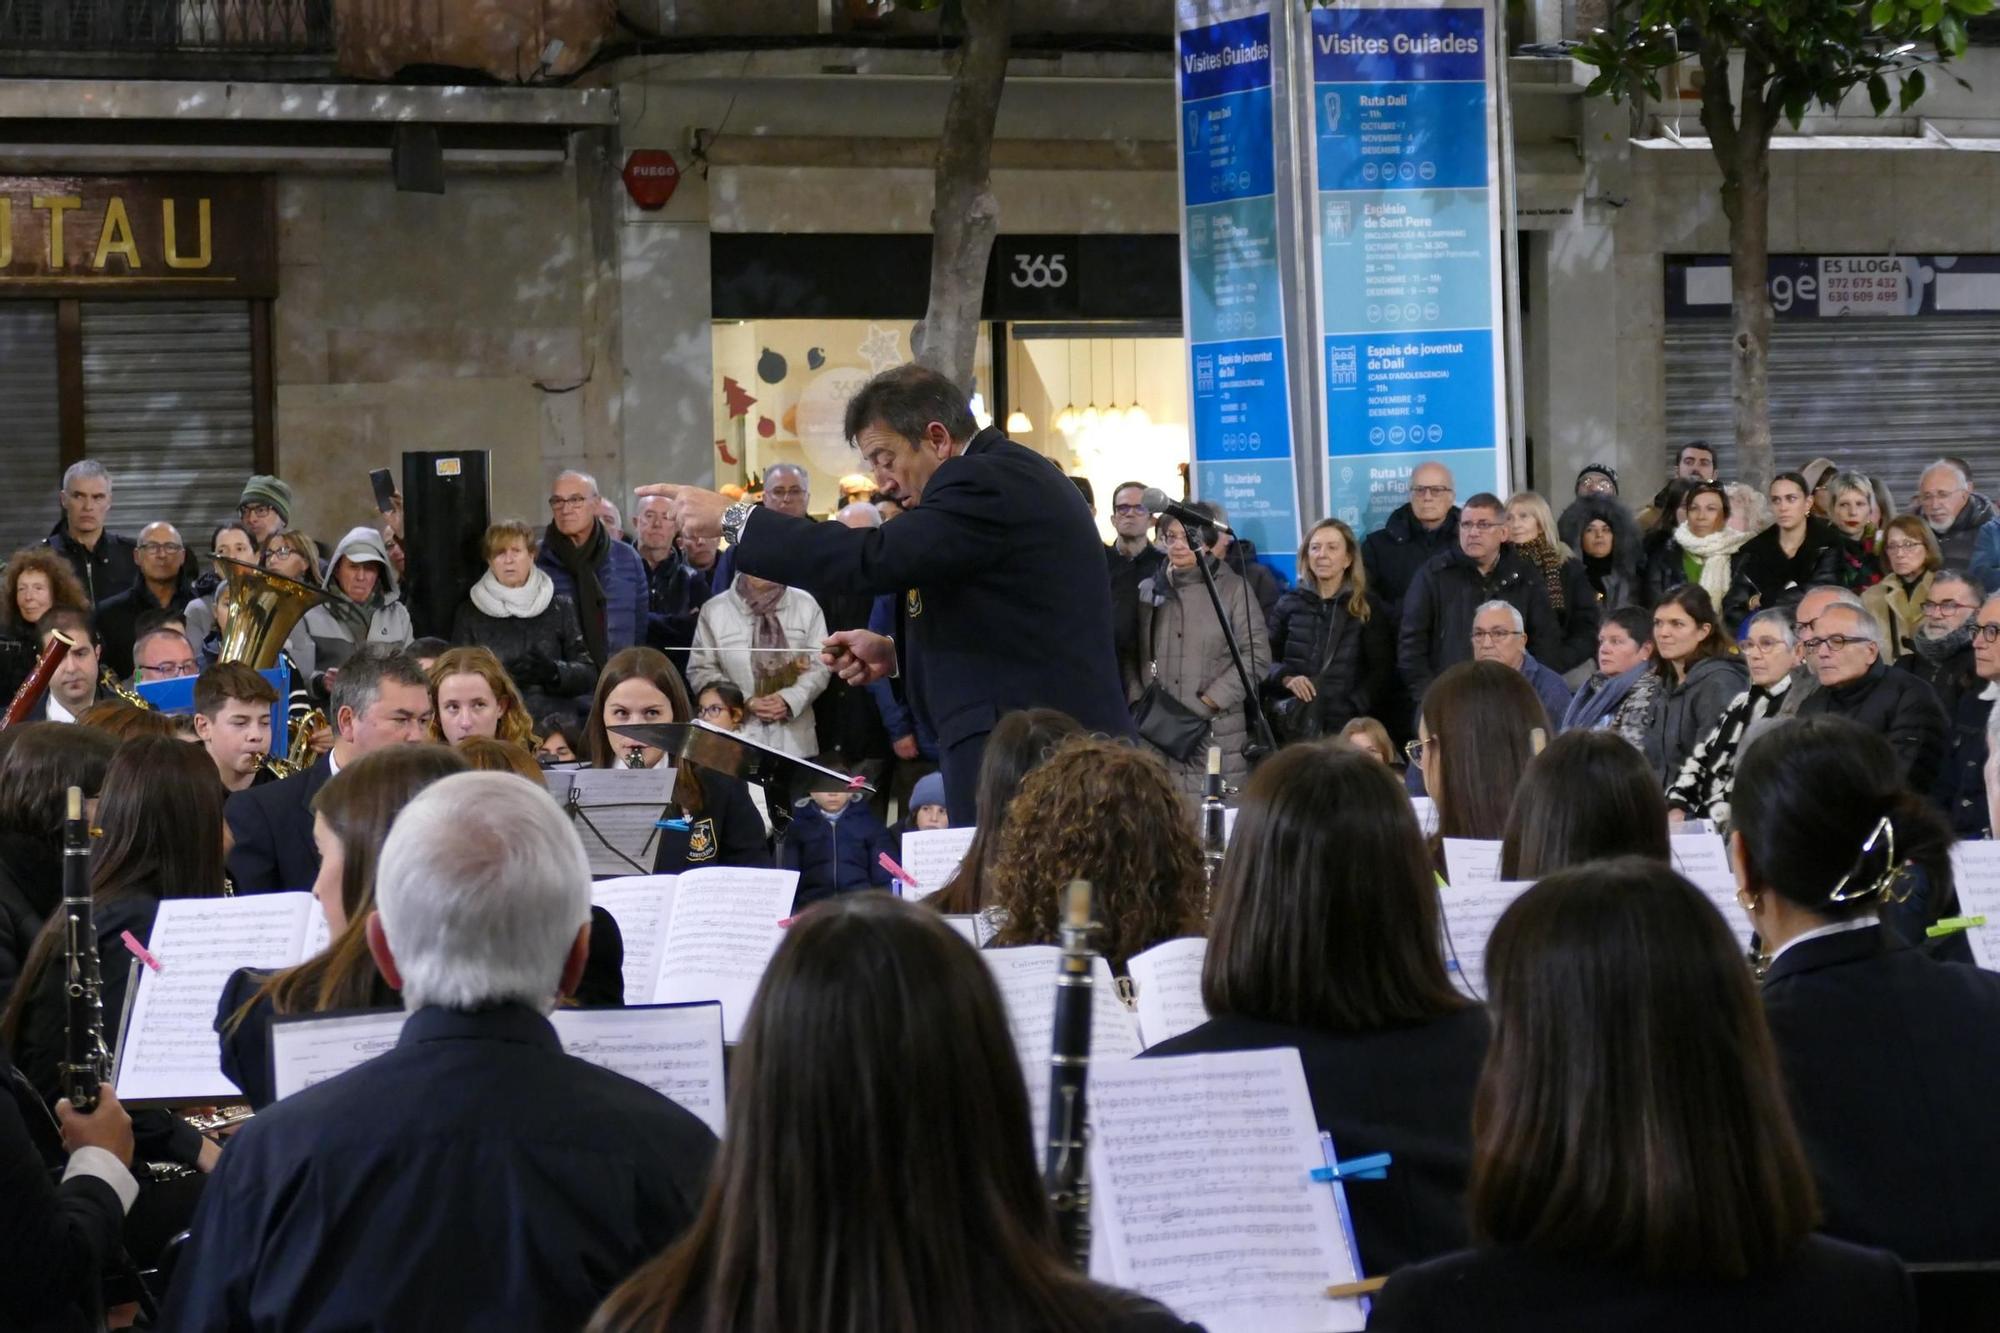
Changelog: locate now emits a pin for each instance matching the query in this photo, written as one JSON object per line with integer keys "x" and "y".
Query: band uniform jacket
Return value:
{"x": 1004, "y": 600}
{"x": 474, "y": 1177}
{"x": 272, "y": 827}
{"x": 1892, "y": 1061}
{"x": 56, "y": 1240}
{"x": 727, "y": 831}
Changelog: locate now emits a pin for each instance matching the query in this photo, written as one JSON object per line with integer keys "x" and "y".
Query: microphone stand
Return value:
{"x": 1263, "y": 742}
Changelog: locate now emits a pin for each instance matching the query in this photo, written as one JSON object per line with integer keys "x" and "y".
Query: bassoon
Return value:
{"x": 37, "y": 683}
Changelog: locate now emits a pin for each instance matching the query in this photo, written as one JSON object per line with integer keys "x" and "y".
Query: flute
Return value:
{"x": 1065, "y": 1173}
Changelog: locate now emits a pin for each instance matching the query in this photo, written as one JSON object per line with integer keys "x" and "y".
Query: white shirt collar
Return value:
{"x": 1821, "y": 932}
{"x": 1992, "y": 691}
{"x": 57, "y": 713}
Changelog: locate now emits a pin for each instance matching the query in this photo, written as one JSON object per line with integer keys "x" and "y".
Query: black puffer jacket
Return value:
{"x": 1350, "y": 662}
{"x": 555, "y": 635}
{"x": 1900, "y": 708}
{"x": 1436, "y": 628}
{"x": 1619, "y": 580}
{"x": 1394, "y": 552}
{"x": 1761, "y": 572}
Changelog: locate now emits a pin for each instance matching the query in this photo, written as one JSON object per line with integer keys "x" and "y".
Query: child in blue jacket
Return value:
{"x": 835, "y": 843}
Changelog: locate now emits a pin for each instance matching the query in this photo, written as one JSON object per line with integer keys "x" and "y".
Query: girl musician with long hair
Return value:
{"x": 835, "y": 1204}
{"x": 472, "y": 695}
{"x": 721, "y": 823}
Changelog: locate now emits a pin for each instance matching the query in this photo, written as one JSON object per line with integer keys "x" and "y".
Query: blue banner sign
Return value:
{"x": 1232, "y": 273}
{"x": 1406, "y": 228}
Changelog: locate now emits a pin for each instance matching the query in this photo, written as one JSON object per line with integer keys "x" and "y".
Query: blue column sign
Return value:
{"x": 1232, "y": 270}
{"x": 1405, "y": 239}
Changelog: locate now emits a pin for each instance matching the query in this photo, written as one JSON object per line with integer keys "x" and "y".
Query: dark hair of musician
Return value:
{"x": 1020, "y": 743}
{"x": 78, "y": 625}
{"x": 650, "y": 665}
{"x": 1481, "y": 718}
{"x": 65, "y": 589}
{"x": 485, "y": 754}
{"x": 1587, "y": 797}
{"x": 906, "y": 400}
{"x": 1109, "y": 813}
{"x": 834, "y": 1202}
{"x": 361, "y": 676}
{"x": 1627, "y": 1030}
{"x": 1326, "y": 910}
{"x": 123, "y": 722}
{"x": 568, "y": 728}
{"x": 43, "y": 761}
{"x": 359, "y": 804}
{"x": 161, "y": 816}
{"x": 1806, "y": 802}
{"x": 223, "y": 681}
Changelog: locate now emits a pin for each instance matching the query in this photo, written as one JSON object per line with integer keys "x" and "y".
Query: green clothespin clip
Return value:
{"x": 1951, "y": 925}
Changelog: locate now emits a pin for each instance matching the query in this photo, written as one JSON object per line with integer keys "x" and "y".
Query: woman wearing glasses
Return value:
{"x": 1700, "y": 790}
{"x": 1911, "y": 553}
{"x": 1892, "y": 1057}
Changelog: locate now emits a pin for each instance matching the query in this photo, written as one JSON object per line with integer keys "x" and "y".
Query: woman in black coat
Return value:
{"x": 515, "y": 612}
{"x": 1606, "y": 539}
{"x": 1892, "y": 1057}
{"x": 1633, "y": 1166}
{"x": 1325, "y": 938}
{"x": 1775, "y": 567}
{"x": 1531, "y": 527}
{"x": 1333, "y": 649}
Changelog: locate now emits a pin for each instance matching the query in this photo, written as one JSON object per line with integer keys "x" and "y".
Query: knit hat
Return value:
{"x": 266, "y": 490}
{"x": 928, "y": 791}
{"x": 1602, "y": 471}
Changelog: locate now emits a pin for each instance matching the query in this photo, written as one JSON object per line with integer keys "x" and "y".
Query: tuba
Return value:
{"x": 262, "y": 610}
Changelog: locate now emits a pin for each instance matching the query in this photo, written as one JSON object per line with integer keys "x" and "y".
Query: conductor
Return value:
{"x": 997, "y": 569}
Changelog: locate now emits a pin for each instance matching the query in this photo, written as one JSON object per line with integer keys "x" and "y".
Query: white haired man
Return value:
{"x": 602, "y": 575}
{"x": 1844, "y": 649}
{"x": 105, "y": 562}
{"x": 1964, "y": 522}
{"x": 1500, "y": 634}
{"x": 475, "y": 1176}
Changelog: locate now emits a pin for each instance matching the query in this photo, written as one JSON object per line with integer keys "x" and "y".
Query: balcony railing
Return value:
{"x": 246, "y": 27}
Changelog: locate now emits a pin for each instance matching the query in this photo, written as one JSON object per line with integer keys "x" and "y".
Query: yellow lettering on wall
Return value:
{"x": 116, "y": 237}
{"x": 6, "y": 231}
{"x": 174, "y": 259}
{"x": 56, "y": 205}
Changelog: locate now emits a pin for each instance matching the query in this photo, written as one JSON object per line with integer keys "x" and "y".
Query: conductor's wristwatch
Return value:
{"x": 733, "y": 519}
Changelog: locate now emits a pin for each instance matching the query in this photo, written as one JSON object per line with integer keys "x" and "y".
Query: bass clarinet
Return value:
{"x": 86, "y": 1062}
{"x": 1065, "y": 1171}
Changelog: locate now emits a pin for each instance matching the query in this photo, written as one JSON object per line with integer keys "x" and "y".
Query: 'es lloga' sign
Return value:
{"x": 182, "y": 235}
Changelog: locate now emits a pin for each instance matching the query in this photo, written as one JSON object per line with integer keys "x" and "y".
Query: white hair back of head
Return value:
{"x": 482, "y": 888}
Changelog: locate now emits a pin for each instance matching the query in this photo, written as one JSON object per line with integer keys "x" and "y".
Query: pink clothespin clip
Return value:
{"x": 857, "y": 782}
{"x": 139, "y": 952}
{"x": 896, "y": 871}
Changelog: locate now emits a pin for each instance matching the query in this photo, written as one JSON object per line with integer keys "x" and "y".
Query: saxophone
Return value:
{"x": 86, "y": 1062}
{"x": 300, "y": 754}
{"x": 118, "y": 688}
{"x": 1065, "y": 1172}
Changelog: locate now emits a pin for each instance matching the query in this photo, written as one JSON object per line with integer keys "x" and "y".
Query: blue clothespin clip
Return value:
{"x": 1375, "y": 1166}
{"x": 677, "y": 825}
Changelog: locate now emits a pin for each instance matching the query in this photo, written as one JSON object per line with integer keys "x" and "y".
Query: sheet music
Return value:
{"x": 1427, "y": 814}
{"x": 932, "y": 857}
{"x": 1201, "y": 1167}
{"x": 318, "y": 934}
{"x": 615, "y": 811}
{"x": 642, "y": 905}
{"x": 311, "y": 1048}
{"x": 1691, "y": 825}
{"x": 1026, "y": 976}
{"x": 1470, "y": 913}
{"x": 1167, "y": 978}
{"x": 967, "y": 926}
{"x": 1470, "y": 861}
{"x": 674, "y": 1049}
{"x": 1976, "y": 872}
{"x": 168, "y": 1051}
{"x": 722, "y": 935}
{"x": 1703, "y": 859}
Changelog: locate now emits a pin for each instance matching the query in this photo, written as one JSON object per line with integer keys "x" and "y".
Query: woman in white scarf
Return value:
{"x": 515, "y": 612}
{"x": 1701, "y": 549}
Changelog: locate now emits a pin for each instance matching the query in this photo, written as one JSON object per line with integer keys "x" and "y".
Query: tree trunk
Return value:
{"x": 1742, "y": 146}
{"x": 964, "y": 215}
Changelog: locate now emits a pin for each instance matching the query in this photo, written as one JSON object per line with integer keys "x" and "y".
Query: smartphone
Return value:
{"x": 385, "y": 489}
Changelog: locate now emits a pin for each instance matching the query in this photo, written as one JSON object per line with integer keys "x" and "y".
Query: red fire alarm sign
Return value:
{"x": 650, "y": 177}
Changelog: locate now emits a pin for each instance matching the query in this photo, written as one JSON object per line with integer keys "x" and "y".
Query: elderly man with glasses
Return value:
{"x": 603, "y": 576}
{"x": 1961, "y": 790}
{"x": 1414, "y": 535}
{"x": 1967, "y": 528}
{"x": 1445, "y": 598}
{"x": 1940, "y": 652}
{"x": 1844, "y": 650}
{"x": 164, "y": 581}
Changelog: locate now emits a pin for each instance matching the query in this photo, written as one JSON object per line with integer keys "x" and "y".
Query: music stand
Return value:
{"x": 736, "y": 756}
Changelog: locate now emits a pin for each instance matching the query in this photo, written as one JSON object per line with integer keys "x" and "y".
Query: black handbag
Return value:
{"x": 1169, "y": 725}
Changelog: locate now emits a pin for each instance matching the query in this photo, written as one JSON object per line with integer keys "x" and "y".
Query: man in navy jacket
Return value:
{"x": 999, "y": 569}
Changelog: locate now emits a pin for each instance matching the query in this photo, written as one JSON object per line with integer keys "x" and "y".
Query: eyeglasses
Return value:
{"x": 1986, "y": 633}
{"x": 1893, "y": 547}
{"x": 1495, "y": 635}
{"x": 1430, "y": 492}
{"x": 1937, "y": 497}
{"x": 786, "y": 493}
{"x": 1128, "y": 509}
{"x": 1764, "y": 646}
{"x": 567, "y": 501}
{"x": 253, "y": 509}
{"x": 160, "y": 548}
{"x": 1839, "y": 641}
{"x": 1946, "y": 608}
{"x": 715, "y": 710}
{"x": 1464, "y": 526}
{"x": 1414, "y": 750}
{"x": 168, "y": 670}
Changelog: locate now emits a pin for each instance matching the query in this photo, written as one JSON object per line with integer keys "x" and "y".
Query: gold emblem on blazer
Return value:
{"x": 913, "y": 603}
{"x": 701, "y": 840}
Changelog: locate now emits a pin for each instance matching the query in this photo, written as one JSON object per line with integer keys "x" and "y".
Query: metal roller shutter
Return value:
{"x": 168, "y": 409}
{"x": 1886, "y": 396}
{"x": 30, "y": 408}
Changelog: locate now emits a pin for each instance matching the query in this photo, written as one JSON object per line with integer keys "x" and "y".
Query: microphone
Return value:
{"x": 1158, "y": 504}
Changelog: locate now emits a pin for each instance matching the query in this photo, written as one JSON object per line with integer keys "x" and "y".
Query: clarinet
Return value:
{"x": 85, "y": 1063}
{"x": 1064, "y": 1171}
{"x": 1214, "y": 827}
